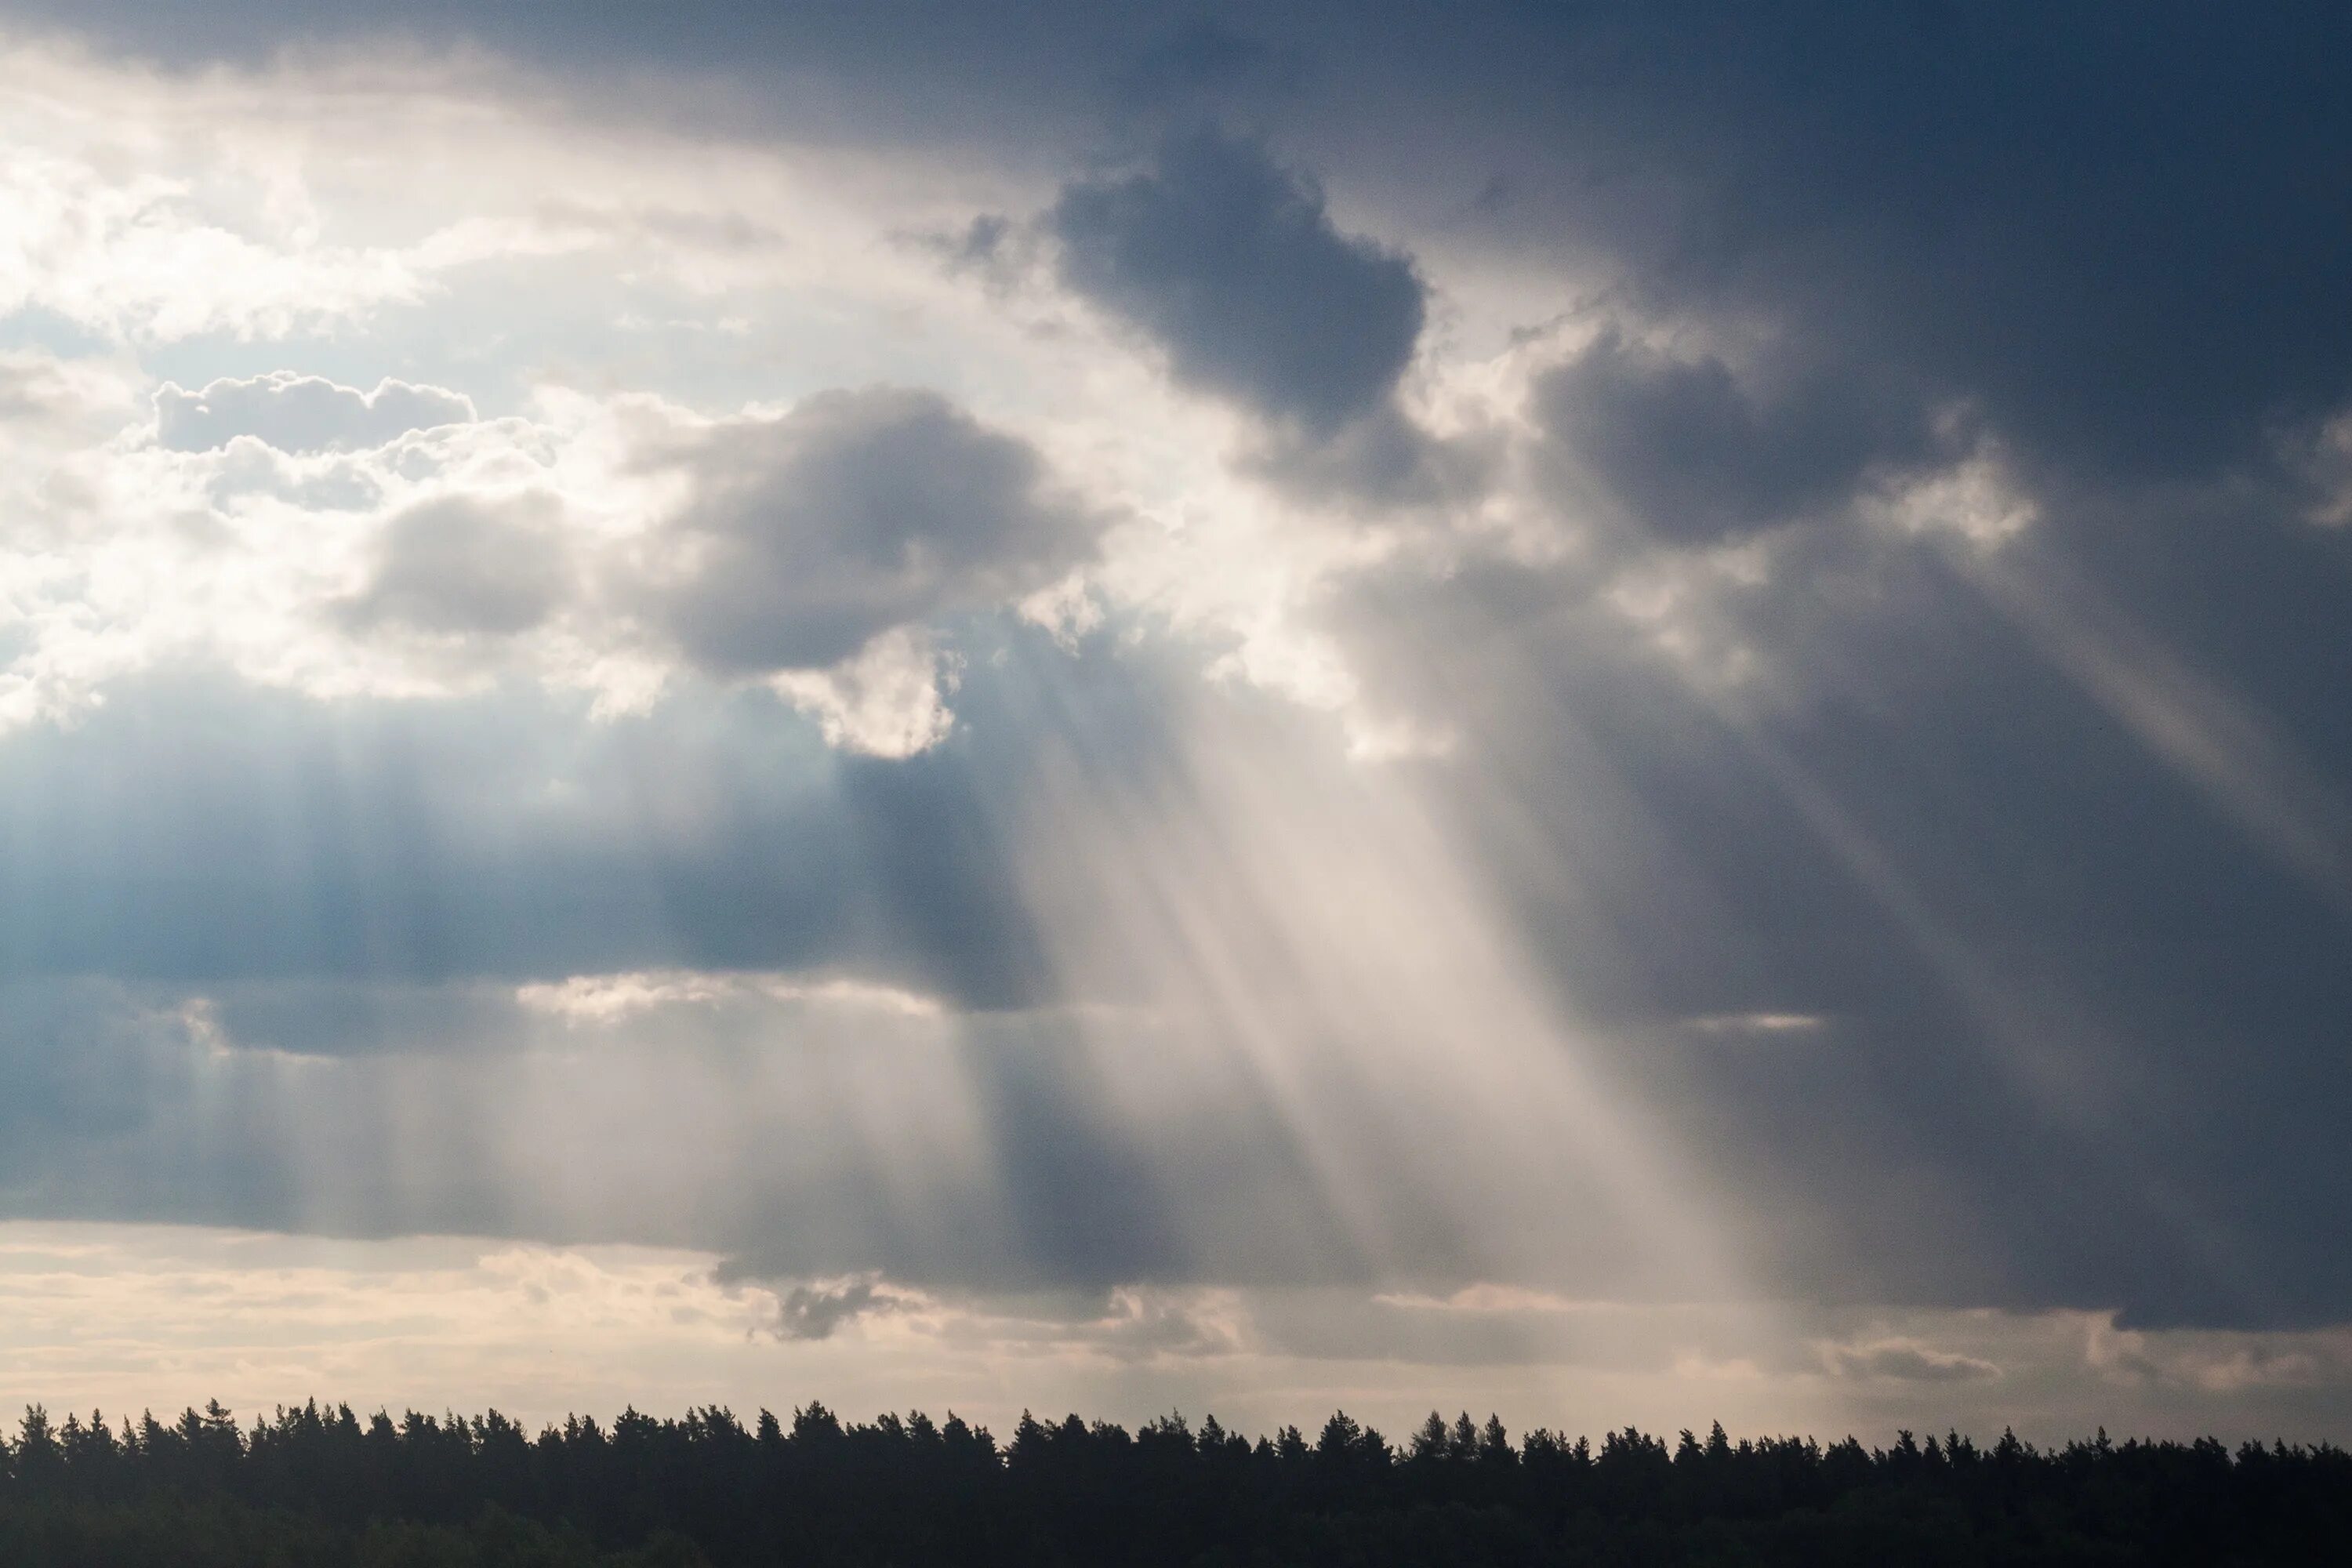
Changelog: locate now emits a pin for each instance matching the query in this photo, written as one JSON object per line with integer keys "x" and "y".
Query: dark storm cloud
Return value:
{"x": 2065, "y": 993}
{"x": 362, "y": 885}
{"x": 1907, "y": 1151}
{"x": 2118, "y": 230}
{"x": 117, "y": 1103}
{"x": 132, "y": 1102}
{"x": 1383, "y": 457}
{"x": 1204, "y": 59}
{"x": 494, "y": 836}
{"x": 1696, "y": 458}
{"x": 301, "y": 412}
{"x": 1228, "y": 262}
{"x": 855, "y": 512}
{"x": 87, "y": 1068}
{"x": 894, "y": 71}
{"x": 2117, "y": 233}
{"x": 2118, "y": 227}
{"x": 78, "y": 1057}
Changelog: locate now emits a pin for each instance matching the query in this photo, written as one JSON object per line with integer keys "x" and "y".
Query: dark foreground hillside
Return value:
{"x": 327, "y": 1487}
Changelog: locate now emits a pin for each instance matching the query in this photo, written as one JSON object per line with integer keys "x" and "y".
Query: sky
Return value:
{"x": 1613, "y": 712}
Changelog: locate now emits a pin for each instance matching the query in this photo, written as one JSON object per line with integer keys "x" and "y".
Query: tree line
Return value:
{"x": 311, "y": 1485}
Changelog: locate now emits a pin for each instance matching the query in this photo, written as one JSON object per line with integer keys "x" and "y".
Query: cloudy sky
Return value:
{"x": 1618, "y": 713}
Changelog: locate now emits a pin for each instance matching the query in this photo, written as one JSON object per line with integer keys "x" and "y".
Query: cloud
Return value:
{"x": 888, "y": 699}
{"x": 583, "y": 1000}
{"x": 467, "y": 566}
{"x": 1882, "y": 801}
{"x": 1384, "y": 458}
{"x": 1126, "y": 1325}
{"x": 1907, "y": 1361}
{"x": 2077, "y": 228}
{"x": 615, "y": 546}
{"x": 1229, "y": 263}
{"x": 328, "y": 1017}
{"x": 1696, "y": 458}
{"x": 814, "y": 1312}
{"x": 328, "y": 571}
{"x": 296, "y": 413}
{"x": 2076, "y": 225}
{"x": 52, "y": 397}
{"x": 809, "y": 535}
{"x": 1758, "y": 1023}
{"x": 1204, "y": 59}
{"x": 2323, "y": 459}
{"x": 504, "y": 832}
{"x": 85, "y": 1062}
{"x": 1891, "y": 807}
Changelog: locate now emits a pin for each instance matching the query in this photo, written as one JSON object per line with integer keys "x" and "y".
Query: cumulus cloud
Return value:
{"x": 465, "y": 565}
{"x": 811, "y": 534}
{"x": 888, "y": 700}
{"x": 295, "y": 413}
{"x": 614, "y": 546}
{"x": 1230, "y": 265}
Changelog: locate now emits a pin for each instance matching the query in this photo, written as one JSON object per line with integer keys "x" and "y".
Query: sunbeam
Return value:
{"x": 1506, "y": 707}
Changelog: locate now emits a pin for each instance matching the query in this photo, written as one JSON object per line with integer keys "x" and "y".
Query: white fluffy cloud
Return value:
{"x": 816, "y": 543}
{"x": 890, "y": 698}
{"x": 336, "y": 539}
{"x": 307, "y": 534}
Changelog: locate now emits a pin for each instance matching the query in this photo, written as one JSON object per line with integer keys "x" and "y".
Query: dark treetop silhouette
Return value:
{"x": 327, "y": 1486}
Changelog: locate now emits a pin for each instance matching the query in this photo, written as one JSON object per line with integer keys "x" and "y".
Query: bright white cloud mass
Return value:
{"x": 833, "y": 709}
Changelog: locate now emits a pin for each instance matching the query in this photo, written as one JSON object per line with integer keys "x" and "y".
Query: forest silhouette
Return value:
{"x": 313, "y": 1486}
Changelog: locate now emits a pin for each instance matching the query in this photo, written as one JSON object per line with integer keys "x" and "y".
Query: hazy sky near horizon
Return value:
{"x": 1624, "y": 712}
